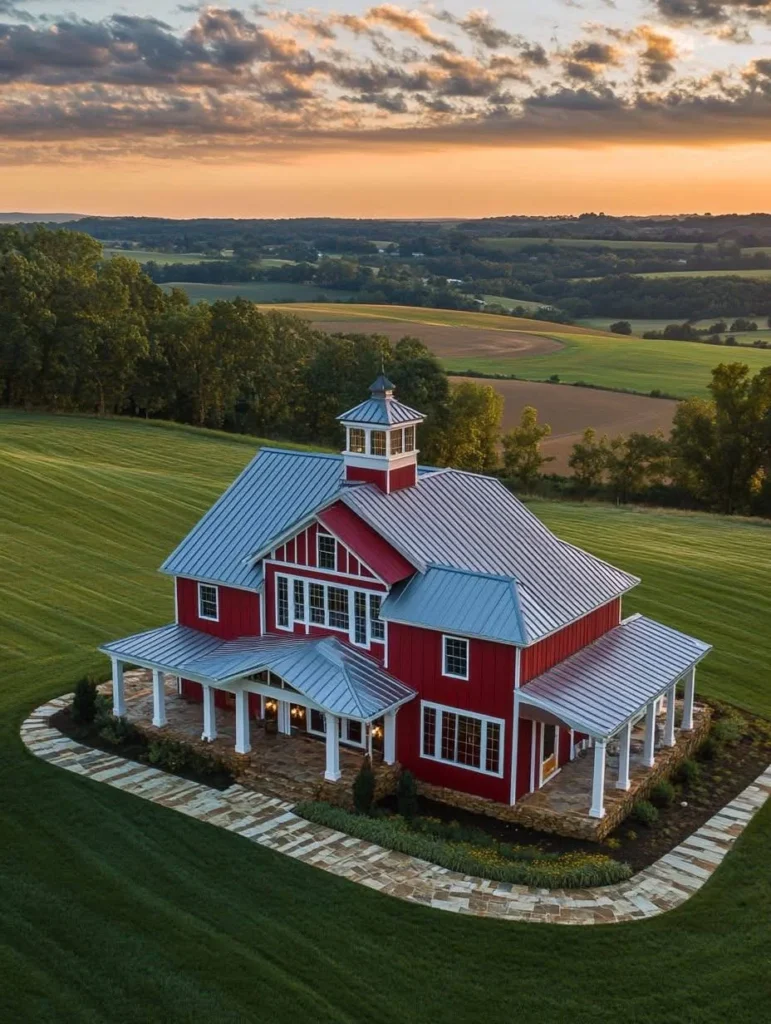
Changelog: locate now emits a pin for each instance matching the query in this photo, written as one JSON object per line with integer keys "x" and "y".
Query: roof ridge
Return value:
{"x": 300, "y": 451}
{"x": 503, "y": 577}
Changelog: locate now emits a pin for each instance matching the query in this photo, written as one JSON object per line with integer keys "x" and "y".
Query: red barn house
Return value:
{"x": 423, "y": 614}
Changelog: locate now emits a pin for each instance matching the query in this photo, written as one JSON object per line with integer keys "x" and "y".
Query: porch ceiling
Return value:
{"x": 600, "y": 688}
{"x": 333, "y": 675}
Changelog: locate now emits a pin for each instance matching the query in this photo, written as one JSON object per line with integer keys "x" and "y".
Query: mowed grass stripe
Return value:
{"x": 118, "y": 911}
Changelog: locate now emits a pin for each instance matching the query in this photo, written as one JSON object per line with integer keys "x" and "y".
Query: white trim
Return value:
{"x": 373, "y": 580}
{"x": 322, "y": 531}
{"x": 215, "y": 583}
{"x": 440, "y": 710}
{"x": 597, "y": 810}
{"x": 459, "y": 639}
{"x": 515, "y": 726}
{"x": 350, "y": 630}
{"x": 541, "y": 780}
{"x": 440, "y": 629}
{"x": 216, "y": 589}
{"x": 533, "y": 724}
{"x": 118, "y": 689}
{"x": 289, "y": 627}
{"x": 176, "y": 602}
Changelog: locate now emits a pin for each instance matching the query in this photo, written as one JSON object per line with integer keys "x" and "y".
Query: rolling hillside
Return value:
{"x": 118, "y": 911}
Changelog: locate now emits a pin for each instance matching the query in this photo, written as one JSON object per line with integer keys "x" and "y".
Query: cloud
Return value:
{"x": 409, "y": 22}
{"x": 729, "y": 19}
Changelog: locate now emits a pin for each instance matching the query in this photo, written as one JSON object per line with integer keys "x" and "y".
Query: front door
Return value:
{"x": 549, "y": 738}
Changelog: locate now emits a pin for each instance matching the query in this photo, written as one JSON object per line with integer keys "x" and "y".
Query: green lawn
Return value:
{"x": 507, "y": 303}
{"x": 258, "y": 291}
{"x": 759, "y": 272}
{"x": 145, "y": 255}
{"x": 510, "y": 244}
{"x": 116, "y": 910}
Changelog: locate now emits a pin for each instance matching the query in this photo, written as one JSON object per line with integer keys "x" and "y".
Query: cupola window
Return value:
{"x": 357, "y": 441}
{"x": 409, "y": 439}
{"x": 377, "y": 444}
{"x": 397, "y": 441}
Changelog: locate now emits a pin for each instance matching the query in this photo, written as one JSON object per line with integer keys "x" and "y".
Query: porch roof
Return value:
{"x": 600, "y": 688}
{"x": 335, "y": 676}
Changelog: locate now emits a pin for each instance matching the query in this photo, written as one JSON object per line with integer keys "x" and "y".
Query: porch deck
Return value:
{"x": 290, "y": 767}
{"x": 562, "y": 804}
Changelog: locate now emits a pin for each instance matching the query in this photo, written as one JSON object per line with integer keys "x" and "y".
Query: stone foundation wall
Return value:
{"x": 341, "y": 795}
{"x": 581, "y": 826}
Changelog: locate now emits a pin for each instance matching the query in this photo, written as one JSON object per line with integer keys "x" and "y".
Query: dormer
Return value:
{"x": 381, "y": 440}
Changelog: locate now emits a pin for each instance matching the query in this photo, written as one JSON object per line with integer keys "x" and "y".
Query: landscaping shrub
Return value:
{"x": 407, "y": 795}
{"x": 177, "y": 757}
{"x": 570, "y": 870}
{"x": 119, "y": 732}
{"x": 644, "y": 812}
{"x": 663, "y": 794}
{"x": 688, "y": 772}
{"x": 709, "y": 749}
{"x": 84, "y": 701}
{"x": 728, "y": 729}
{"x": 364, "y": 787}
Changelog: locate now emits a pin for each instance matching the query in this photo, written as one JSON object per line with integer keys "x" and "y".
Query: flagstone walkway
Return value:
{"x": 269, "y": 821}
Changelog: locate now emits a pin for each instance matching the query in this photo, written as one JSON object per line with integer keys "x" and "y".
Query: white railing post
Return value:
{"x": 597, "y": 810}
{"x": 284, "y": 718}
{"x": 159, "y": 699}
{"x": 118, "y": 692}
{"x": 389, "y": 737}
{"x": 332, "y": 773}
{"x": 209, "y": 733}
{"x": 690, "y": 680}
{"x": 669, "y": 722}
{"x": 243, "y": 740}
{"x": 625, "y": 740}
{"x": 649, "y": 747}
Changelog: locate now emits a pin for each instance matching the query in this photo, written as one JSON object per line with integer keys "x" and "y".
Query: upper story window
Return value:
{"x": 351, "y": 611}
{"x": 208, "y": 602}
{"x": 327, "y": 551}
{"x": 376, "y": 624}
{"x": 357, "y": 440}
{"x": 455, "y": 657}
{"x": 282, "y": 602}
{"x": 377, "y": 442}
{"x": 409, "y": 439}
{"x": 397, "y": 441}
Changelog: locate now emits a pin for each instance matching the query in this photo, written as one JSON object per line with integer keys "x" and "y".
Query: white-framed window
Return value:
{"x": 327, "y": 551}
{"x": 376, "y": 624}
{"x": 455, "y": 657}
{"x": 282, "y": 602}
{"x": 397, "y": 441}
{"x": 462, "y": 738}
{"x": 208, "y": 602}
{"x": 357, "y": 440}
{"x": 351, "y": 611}
{"x": 377, "y": 442}
{"x": 409, "y": 439}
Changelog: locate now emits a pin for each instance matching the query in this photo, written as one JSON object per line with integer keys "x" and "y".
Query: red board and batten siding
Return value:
{"x": 239, "y": 611}
{"x": 415, "y": 657}
{"x": 555, "y": 648}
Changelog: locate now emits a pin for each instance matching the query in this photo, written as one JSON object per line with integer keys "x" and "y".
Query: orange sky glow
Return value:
{"x": 462, "y": 181}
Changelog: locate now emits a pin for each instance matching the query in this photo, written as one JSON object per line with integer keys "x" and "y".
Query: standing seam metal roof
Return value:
{"x": 386, "y": 412}
{"x": 340, "y": 679}
{"x": 598, "y": 689}
{"x": 465, "y": 521}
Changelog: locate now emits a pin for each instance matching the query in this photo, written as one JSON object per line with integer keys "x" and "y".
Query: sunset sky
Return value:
{"x": 355, "y": 109}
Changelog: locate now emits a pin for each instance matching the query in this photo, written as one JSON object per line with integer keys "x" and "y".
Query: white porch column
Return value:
{"x": 649, "y": 748}
{"x": 597, "y": 810}
{"x": 690, "y": 680}
{"x": 118, "y": 694}
{"x": 332, "y": 773}
{"x": 389, "y": 737}
{"x": 284, "y": 718}
{"x": 669, "y": 723}
{"x": 209, "y": 714}
{"x": 159, "y": 699}
{"x": 243, "y": 742}
{"x": 624, "y": 740}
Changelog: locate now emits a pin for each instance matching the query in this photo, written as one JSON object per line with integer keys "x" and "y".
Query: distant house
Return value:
{"x": 425, "y": 615}
{"x": 226, "y": 252}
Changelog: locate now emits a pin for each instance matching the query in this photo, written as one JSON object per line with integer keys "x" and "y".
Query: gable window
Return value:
{"x": 208, "y": 602}
{"x": 397, "y": 441}
{"x": 409, "y": 439}
{"x": 357, "y": 441}
{"x": 327, "y": 551}
{"x": 376, "y": 624}
{"x": 299, "y": 601}
{"x": 282, "y": 602}
{"x": 462, "y": 738}
{"x": 455, "y": 657}
{"x": 377, "y": 442}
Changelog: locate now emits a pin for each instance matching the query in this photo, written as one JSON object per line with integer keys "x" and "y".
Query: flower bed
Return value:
{"x": 470, "y": 851}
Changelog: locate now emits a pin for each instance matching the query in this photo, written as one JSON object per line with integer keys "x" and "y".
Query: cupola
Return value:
{"x": 380, "y": 440}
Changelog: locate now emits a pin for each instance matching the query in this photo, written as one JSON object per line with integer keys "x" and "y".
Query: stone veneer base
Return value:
{"x": 270, "y": 822}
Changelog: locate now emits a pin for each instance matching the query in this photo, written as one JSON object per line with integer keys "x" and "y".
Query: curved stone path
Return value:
{"x": 270, "y": 822}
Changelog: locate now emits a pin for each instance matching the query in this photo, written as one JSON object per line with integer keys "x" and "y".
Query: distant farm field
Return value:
{"x": 146, "y": 255}
{"x": 537, "y": 350}
{"x": 754, "y": 272}
{"x": 257, "y": 291}
{"x": 570, "y": 410}
{"x": 511, "y": 244}
{"x": 507, "y": 303}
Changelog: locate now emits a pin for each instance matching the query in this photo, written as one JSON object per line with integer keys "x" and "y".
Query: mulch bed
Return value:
{"x": 134, "y": 750}
{"x": 732, "y": 769}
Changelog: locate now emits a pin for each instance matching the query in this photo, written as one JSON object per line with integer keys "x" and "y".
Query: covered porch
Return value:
{"x": 346, "y": 703}
{"x": 621, "y": 694}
